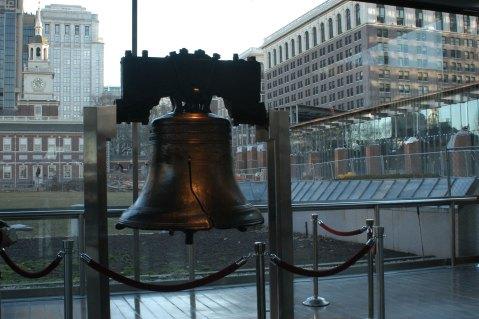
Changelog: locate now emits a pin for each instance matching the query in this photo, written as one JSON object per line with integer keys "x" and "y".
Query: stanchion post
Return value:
{"x": 379, "y": 233}
{"x": 68, "y": 279}
{"x": 315, "y": 300}
{"x": 370, "y": 224}
{"x": 259, "y": 249}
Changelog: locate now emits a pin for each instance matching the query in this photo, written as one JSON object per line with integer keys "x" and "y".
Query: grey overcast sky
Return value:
{"x": 221, "y": 26}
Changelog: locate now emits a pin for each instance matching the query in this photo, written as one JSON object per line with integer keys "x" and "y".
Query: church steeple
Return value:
{"x": 38, "y": 46}
{"x": 38, "y": 23}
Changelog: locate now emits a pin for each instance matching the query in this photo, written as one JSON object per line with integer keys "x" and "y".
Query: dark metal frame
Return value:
{"x": 468, "y": 7}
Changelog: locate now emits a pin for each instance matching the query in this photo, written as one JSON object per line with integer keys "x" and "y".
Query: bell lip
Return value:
{"x": 125, "y": 223}
{"x": 175, "y": 227}
{"x": 151, "y": 226}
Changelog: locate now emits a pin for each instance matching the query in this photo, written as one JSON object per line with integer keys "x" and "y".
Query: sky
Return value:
{"x": 216, "y": 26}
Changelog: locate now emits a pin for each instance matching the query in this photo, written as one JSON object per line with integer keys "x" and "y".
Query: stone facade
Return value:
{"x": 346, "y": 55}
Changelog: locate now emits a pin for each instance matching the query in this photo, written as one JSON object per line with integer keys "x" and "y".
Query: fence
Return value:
{"x": 433, "y": 164}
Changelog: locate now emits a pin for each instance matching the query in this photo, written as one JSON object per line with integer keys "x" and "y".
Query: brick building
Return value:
{"x": 38, "y": 149}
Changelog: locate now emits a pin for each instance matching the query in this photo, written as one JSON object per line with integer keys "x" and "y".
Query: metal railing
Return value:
{"x": 462, "y": 162}
{"x": 114, "y": 212}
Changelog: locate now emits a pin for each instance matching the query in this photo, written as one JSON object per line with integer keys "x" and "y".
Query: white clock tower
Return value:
{"x": 38, "y": 75}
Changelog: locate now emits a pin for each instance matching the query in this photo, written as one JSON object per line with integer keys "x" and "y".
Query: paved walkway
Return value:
{"x": 433, "y": 293}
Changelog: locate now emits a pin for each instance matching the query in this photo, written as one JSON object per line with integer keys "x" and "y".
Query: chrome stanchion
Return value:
{"x": 315, "y": 300}
{"x": 68, "y": 279}
{"x": 259, "y": 249}
{"x": 379, "y": 234}
{"x": 370, "y": 224}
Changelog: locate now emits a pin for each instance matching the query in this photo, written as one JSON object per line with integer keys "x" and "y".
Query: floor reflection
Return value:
{"x": 434, "y": 293}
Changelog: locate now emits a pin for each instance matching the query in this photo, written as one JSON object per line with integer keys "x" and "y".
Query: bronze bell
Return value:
{"x": 190, "y": 184}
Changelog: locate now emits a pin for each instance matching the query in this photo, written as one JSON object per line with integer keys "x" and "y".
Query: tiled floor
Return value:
{"x": 435, "y": 293}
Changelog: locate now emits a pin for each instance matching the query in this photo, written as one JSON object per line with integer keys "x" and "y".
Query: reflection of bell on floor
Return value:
{"x": 190, "y": 185}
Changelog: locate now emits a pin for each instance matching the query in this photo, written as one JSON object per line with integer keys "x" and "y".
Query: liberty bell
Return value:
{"x": 190, "y": 184}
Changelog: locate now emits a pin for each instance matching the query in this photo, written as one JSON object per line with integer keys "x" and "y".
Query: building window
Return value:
{"x": 7, "y": 172}
{"x": 47, "y": 28}
{"x": 381, "y": 13}
{"x": 7, "y": 144}
{"x": 306, "y": 39}
{"x": 438, "y": 18}
{"x": 37, "y": 144}
{"x": 22, "y": 172}
{"x": 315, "y": 36}
{"x": 37, "y": 111}
{"x": 452, "y": 22}
{"x": 23, "y": 144}
{"x": 340, "y": 23}
{"x": 300, "y": 45}
{"x": 357, "y": 14}
{"x": 269, "y": 59}
{"x": 51, "y": 145}
{"x": 67, "y": 29}
{"x": 87, "y": 30}
{"x": 330, "y": 28}
{"x": 323, "y": 36}
{"x": 400, "y": 15}
{"x": 77, "y": 30}
{"x": 67, "y": 144}
{"x": 467, "y": 24}
{"x": 286, "y": 53}
{"x": 57, "y": 29}
{"x": 293, "y": 51}
{"x": 52, "y": 170}
{"x": 419, "y": 18}
{"x": 274, "y": 57}
{"x": 348, "y": 19}
{"x": 67, "y": 171}
{"x": 80, "y": 144}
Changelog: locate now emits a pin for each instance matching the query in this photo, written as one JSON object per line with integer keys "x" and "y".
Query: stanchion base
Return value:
{"x": 316, "y": 302}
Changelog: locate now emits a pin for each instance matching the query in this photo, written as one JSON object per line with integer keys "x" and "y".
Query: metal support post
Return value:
{"x": 315, "y": 300}
{"x": 452, "y": 213}
{"x": 379, "y": 234}
{"x": 370, "y": 224}
{"x": 259, "y": 249}
{"x": 280, "y": 218}
{"x": 136, "y": 232}
{"x": 135, "y": 144}
{"x": 135, "y": 155}
{"x": 448, "y": 172}
{"x": 81, "y": 248}
{"x": 99, "y": 124}
{"x": 191, "y": 261}
{"x": 68, "y": 279}
{"x": 377, "y": 218}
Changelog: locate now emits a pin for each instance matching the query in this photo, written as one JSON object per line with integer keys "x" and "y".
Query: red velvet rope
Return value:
{"x": 342, "y": 233}
{"x": 164, "y": 288}
{"x": 327, "y": 272}
{"x": 24, "y": 273}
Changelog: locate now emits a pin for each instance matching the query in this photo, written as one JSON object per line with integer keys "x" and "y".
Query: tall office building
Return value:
{"x": 344, "y": 55}
{"x": 28, "y": 34}
{"x": 10, "y": 54}
{"x": 76, "y": 53}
